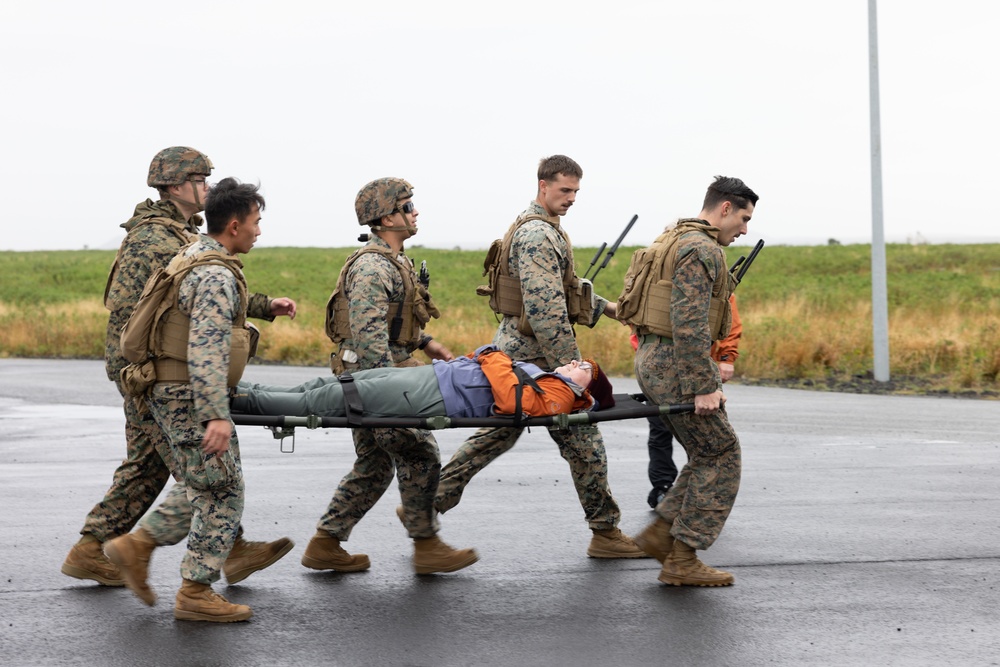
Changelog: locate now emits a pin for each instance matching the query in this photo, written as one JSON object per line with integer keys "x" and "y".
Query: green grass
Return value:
{"x": 806, "y": 310}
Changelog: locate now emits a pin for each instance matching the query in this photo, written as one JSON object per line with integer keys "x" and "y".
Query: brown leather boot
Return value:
{"x": 431, "y": 555}
{"x": 86, "y": 560}
{"x": 682, "y": 568}
{"x": 613, "y": 544}
{"x": 248, "y": 557}
{"x": 198, "y": 602}
{"x": 325, "y": 553}
{"x": 655, "y": 539}
{"x": 131, "y": 552}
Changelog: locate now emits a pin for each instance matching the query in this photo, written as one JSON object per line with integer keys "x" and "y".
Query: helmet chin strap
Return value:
{"x": 410, "y": 229}
{"x": 198, "y": 206}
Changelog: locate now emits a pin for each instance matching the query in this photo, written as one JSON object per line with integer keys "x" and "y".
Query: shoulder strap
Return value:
{"x": 508, "y": 242}
{"x": 179, "y": 229}
{"x": 180, "y": 266}
{"x": 523, "y": 379}
{"x": 508, "y": 237}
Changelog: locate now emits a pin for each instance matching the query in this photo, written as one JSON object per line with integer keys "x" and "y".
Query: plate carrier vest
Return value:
{"x": 406, "y": 319}
{"x": 645, "y": 300}
{"x": 158, "y": 330}
{"x": 504, "y": 290}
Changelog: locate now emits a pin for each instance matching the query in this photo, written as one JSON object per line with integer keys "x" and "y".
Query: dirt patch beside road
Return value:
{"x": 866, "y": 384}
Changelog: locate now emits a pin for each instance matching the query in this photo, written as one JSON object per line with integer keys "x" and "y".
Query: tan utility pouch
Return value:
{"x": 243, "y": 348}
{"x": 137, "y": 378}
{"x": 337, "y": 362}
{"x": 507, "y": 297}
{"x": 656, "y": 309}
{"x": 580, "y": 302}
{"x": 630, "y": 300}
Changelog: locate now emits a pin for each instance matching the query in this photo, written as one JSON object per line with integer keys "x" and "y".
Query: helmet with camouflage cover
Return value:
{"x": 379, "y": 198}
{"x": 173, "y": 166}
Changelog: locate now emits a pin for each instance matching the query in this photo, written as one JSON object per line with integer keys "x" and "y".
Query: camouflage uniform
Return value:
{"x": 370, "y": 285}
{"x": 142, "y": 475}
{"x": 211, "y": 490}
{"x": 538, "y": 258}
{"x": 674, "y": 372}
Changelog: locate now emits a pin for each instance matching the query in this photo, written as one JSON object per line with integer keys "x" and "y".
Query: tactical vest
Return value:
{"x": 405, "y": 319}
{"x": 504, "y": 290}
{"x": 157, "y": 332}
{"x": 179, "y": 229}
{"x": 645, "y": 300}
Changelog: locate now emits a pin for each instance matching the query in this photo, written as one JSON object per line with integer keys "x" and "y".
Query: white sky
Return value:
{"x": 461, "y": 98}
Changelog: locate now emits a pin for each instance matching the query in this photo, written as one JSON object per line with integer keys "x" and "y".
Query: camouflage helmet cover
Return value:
{"x": 380, "y": 198}
{"x": 173, "y": 166}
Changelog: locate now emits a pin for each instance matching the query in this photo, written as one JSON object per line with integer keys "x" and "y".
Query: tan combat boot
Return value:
{"x": 613, "y": 544}
{"x": 248, "y": 557}
{"x": 131, "y": 552}
{"x": 325, "y": 553}
{"x": 655, "y": 539}
{"x": 86, "y": 561}
{"x": 198, "y": 602}
{"x": 682, "y": 568}
{"x": 431, "y": 555}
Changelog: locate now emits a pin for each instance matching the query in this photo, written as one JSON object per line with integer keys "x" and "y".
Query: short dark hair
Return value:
{"x": 727, "y": 188}
{"x": 227, "y": 199}
{"x": 552, "y": 166}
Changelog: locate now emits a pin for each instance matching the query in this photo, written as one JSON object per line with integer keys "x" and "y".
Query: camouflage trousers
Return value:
{"x": 206, "y": 504}
{"x": 412, "y": 455}
{"x": 137, "y": 481}
{"x": 702, "y": 497}
{"x": 582, "y": 447}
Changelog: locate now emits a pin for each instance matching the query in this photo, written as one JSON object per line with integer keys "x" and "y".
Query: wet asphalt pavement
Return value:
{"x": 866, "y": 532}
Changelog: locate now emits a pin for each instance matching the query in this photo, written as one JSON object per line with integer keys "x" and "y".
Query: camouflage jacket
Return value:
{"x": 538, "y": 258}
{"x": 371, "y": 283}
{"x": 700, "y": 259}
{"x": 210, "y": 296}
{"x": 147, "y": 247}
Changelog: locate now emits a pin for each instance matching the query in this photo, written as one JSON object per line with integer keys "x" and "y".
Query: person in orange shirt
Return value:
{"x": 481, "y": 384}
{"x": 662, "y": 470}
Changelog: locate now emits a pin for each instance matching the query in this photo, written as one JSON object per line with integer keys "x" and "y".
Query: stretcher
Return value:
{"x": 627, "y": 406}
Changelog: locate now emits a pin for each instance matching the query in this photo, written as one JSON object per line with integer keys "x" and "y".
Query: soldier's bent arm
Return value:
{"x": 540, "y": 261}
{"x": 260, "y": 307}
{"x": 694, "y": 274}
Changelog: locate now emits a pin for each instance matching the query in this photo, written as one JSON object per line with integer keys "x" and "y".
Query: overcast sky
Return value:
{"x": 314, "y": 99}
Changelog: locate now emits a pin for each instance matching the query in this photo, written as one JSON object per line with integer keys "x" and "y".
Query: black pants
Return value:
{"x": 662, "y": 471}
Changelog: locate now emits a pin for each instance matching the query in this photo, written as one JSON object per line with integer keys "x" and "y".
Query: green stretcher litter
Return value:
{"x": 627, "y": 406}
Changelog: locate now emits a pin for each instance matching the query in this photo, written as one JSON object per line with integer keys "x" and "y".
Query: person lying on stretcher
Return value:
{"x": 482, "y": 384}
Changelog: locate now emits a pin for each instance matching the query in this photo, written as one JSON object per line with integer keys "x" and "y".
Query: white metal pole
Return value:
{"x": 880, "y": 302}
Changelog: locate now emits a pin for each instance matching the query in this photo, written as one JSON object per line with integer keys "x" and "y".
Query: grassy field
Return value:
{"x": 806, "y": 311}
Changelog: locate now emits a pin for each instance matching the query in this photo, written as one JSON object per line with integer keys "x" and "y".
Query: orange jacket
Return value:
{"x": 722, "y": 350}
{"x": 557, "y": 399}
{"x": 725, "y": 349}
